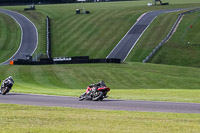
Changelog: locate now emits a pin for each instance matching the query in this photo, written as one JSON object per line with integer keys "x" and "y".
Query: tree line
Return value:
{"x": 36, "y": 1}
{"x": 45, "y": 1}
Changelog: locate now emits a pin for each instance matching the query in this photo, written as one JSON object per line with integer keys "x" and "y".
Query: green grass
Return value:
{"x": 184, "y": 47}
{"x": 175, "y": 52}
{"x": 93, "y": 35}
{"x": 136, "y": 81}
{"x": 171, "y": 95}
{"x": 28, "y": 119}
{"x": 10, "y": 37}
{"x": 39, "y": 20}
{"x": 149, "y": 40}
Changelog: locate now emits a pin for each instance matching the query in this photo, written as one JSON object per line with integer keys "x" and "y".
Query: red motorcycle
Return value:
{"x": 95, "y": 92}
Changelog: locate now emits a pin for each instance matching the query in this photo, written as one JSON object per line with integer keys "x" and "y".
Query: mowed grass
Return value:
{"x": 92, "y": 35}
{"x": 10, "y": 37}
{"x": 25, "y": 119}
{"x": 95, "y": 34}
{"x": 149, "y": 40}
{"x": 184, "y": 47}
{"x": 136, "y": 81}
{"x": 127, "y": 81}
{"x": 74, "y": 35}
{"x": 38, "y": 19}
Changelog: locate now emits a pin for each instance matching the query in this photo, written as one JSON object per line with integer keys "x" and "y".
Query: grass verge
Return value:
{"x": 27, "y": 119}
{"x": 184, "y": 47}
{"x": 10, "y": 37}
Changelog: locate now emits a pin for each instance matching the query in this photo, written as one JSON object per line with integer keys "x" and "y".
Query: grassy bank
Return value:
{"x": 118, "y": 76}
{"x": 136, "y": 81}
{"x": 10, "y": 37}
{"x": 184, "y": 47}
{"x": 149, "y": 40}
{"x": 24, "y": 119}
{"x": 96, "y": 34}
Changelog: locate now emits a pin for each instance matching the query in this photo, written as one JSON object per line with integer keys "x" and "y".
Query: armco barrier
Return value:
{"x": 48, "y": 38}
{"x": 169, "y": 35}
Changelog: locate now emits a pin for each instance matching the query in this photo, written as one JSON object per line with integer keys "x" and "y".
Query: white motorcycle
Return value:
{"x": 6, "y": 86}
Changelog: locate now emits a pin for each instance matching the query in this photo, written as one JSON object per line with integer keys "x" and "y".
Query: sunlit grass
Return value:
{"x": 24, "y": 119}
{"x": 184, "y": 47}
{"x": 94, "y": 34}
{"x": 135, "y": 81}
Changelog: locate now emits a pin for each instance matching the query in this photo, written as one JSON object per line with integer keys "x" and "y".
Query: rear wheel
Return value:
{"x": 101, "y": 99}
{"x": 98, "y": 96}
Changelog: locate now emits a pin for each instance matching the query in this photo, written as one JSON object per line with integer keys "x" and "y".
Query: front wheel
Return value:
{"x": 98, "y": 96}
{"x": 4, "y": 90}
{"x": 82, "y": 97}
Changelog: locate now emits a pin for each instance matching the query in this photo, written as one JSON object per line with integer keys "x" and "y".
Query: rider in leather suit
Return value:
{"x": 4, "y": 81}
{"x": 100, "y": 84}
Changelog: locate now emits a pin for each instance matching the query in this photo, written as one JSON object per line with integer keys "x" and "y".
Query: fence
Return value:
{"x": 67, "y": 60}
{"x": 48, "y": 38}
{"x": 169, "y": 35}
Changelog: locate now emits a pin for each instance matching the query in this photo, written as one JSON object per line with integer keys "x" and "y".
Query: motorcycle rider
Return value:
{"x": 6, "y": 80}
{"x": 100, "y": 84}
{"x": 91, "y": 92}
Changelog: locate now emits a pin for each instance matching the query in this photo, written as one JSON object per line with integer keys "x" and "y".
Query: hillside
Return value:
{"x": 133, "y": 81}
{"x": 117, "y": 76}
{"x": 96, "y": 34}
{"x": 184, "y": 47}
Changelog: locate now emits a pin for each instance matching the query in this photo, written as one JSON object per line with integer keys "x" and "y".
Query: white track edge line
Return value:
{"x": 21, "y": 34}
{"x": 20, "y": 41}
{"x": 126, "y": 34}
{"x": 139, "y": 38}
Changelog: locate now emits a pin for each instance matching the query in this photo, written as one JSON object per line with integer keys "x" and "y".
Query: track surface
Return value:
{"x": 29, "y": 36}
{"x": 106, "y": 104}
{"x": 124, "y": 47}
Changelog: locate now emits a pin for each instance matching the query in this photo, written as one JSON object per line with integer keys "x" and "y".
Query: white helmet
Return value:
{"x": 10, "y": 78}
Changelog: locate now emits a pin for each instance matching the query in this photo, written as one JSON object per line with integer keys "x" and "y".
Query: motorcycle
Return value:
{"x": 6, "y": 86}
{"x": 95, "y": 94}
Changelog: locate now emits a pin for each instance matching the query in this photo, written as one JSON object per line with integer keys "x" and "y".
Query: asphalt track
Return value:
{"x": 106, "y": 104}
{"x": 29, "y": 36}
{"x": 126, "y": 44}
